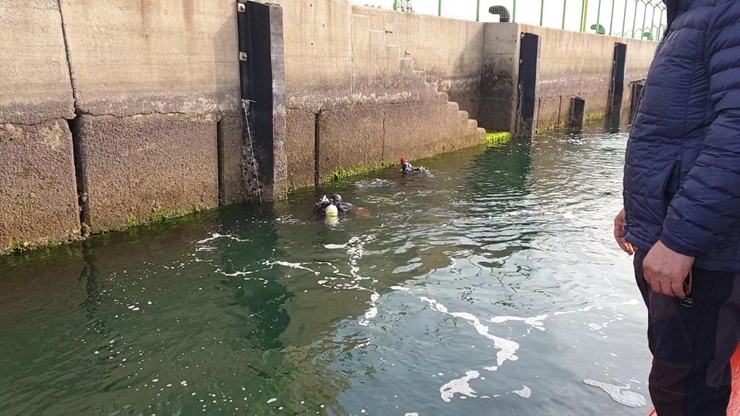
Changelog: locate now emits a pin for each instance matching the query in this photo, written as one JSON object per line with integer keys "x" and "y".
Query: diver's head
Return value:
{"x": 336, "y": 199}
{"x": 405, "y": 167}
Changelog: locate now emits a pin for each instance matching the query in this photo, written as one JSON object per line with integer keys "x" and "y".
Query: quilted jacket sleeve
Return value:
{"x": 708, "y": 203}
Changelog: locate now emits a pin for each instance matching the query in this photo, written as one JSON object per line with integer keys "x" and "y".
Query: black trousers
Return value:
{"x": 692, "y": 343}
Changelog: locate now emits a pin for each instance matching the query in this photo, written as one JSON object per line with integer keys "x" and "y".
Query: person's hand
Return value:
{"x": 665, "y": 270}
{"x": 619, "y": 234}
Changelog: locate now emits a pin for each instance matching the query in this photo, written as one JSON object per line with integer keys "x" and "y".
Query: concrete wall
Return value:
{"x": 584, "y": 71}
{"x": 114, "y": 110}
{"x": 115, "y": 113}
{"x": 499, "y": 72}
{"x": 38, "y": 196}
{"x": 343, "y": 65}
{"x": 449, "y": 51}
{"x": 151, "y": 79}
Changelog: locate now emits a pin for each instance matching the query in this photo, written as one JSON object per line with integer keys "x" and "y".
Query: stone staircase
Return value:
{"x": 380, "y": 72}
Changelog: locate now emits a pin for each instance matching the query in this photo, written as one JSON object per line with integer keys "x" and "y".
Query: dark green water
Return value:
{"x": 491, "y": 287}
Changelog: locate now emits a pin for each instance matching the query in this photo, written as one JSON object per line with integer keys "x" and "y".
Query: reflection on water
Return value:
{"x": 490, "y": 286}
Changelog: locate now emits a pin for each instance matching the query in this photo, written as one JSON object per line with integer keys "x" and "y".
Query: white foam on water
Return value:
{"x": 236, "y": 274}
{"x": 620, "y": 394}
{"x": 492, "y": 368}
{"x": 524, "y": 393}
{"x": 459, "y": 386}
{"x": 335, "y": 246}
{"x": 507, "y": 348}
{"x": 295, "y": 266}
{"x": 375, "y": 183}
{"x": 534, "y": 322}
{"x": 373, "y": 311}
{"x": 211, "y": 238}
{"x": 215, "y": 236}
{"x": 411, "y": 414}
{"x": 631, "y": 302}
{"x": 273, "y": 400}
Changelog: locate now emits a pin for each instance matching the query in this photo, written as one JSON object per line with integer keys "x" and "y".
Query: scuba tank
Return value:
{"x": 332, "y": 215}
{"x": 331, "y": 211}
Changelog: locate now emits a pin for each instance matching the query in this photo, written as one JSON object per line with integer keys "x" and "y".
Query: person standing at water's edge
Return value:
{"x": 681, "y": 215}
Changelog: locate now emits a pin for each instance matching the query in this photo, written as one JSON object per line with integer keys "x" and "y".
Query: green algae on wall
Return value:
{"x": 17, "y": 246}
{"x": 340, "y": 174}
{"x": 498, "y": 138}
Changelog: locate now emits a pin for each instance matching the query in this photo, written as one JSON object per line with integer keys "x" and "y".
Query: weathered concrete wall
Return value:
{"x": 584, "y": 71}
{"x": 449, "y": 51}
{"x": 151, "y": 91}
{"x": 499, "y": 72}
{"x": 162, "y": 165}
{"x": 38, "y": 196}
{"x": 151, "y": 78}
{"x": 343, "y": 65}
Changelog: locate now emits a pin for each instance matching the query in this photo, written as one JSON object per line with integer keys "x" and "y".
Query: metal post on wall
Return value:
{"x": 526, "y": 108}
{"x": 660, "y": 26}
{"x": 542, "y": 11}
{"x": 634, "y": 20}
{"x": 584, "y": 17}
{"x": 477, "y": 11}
{"x": 395, "y": 4}
{"x": 565, "y": 8}
{"x": 611, "y": 19}
{"x": 644, "y": 17}
{"x": 652, "y": 23}
{"x": 598, "y": 15}
{"x": 513, "y": 12}
{"x": 624, "y": 18}
{"x": 439, "y": 9}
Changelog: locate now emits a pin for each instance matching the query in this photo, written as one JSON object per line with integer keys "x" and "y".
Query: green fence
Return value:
{"x": 642, "y": 19}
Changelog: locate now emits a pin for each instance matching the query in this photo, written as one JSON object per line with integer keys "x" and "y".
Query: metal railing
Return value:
{"x": 642, "y": 19}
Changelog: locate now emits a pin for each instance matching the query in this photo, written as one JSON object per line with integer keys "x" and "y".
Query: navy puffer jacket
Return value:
{"x": 682, "y": 170}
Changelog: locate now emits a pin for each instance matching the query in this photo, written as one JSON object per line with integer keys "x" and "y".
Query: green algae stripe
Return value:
{"x": 497, "y": 138}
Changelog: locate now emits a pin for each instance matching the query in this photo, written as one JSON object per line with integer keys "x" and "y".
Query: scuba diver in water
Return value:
{"x": 407, "y": 168}
{"x": 334, "y": 207}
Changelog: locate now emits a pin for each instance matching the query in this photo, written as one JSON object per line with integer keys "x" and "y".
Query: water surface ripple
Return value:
{"x": 490, "y": 287}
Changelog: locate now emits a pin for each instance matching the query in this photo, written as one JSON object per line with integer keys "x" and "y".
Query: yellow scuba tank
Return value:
{"x": 332, "y": 214}
{"x": 331, "y": 211}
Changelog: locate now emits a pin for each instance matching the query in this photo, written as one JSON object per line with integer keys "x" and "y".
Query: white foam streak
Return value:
{"x": 620, "y": 394}
{"x": 216, "y": 236}
{"x": 524, "y": 393}
{"x": 235, "y": 274}
{"x": 295, "y": 266}
{"x": 459, "y": 386}
{"x": 507, "y": 348}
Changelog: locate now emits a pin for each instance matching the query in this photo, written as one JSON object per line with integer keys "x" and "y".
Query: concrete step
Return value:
{"x": 407, "y": 66}
{"x": 464, "y": 117}
{"x": 393, "y": 51}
